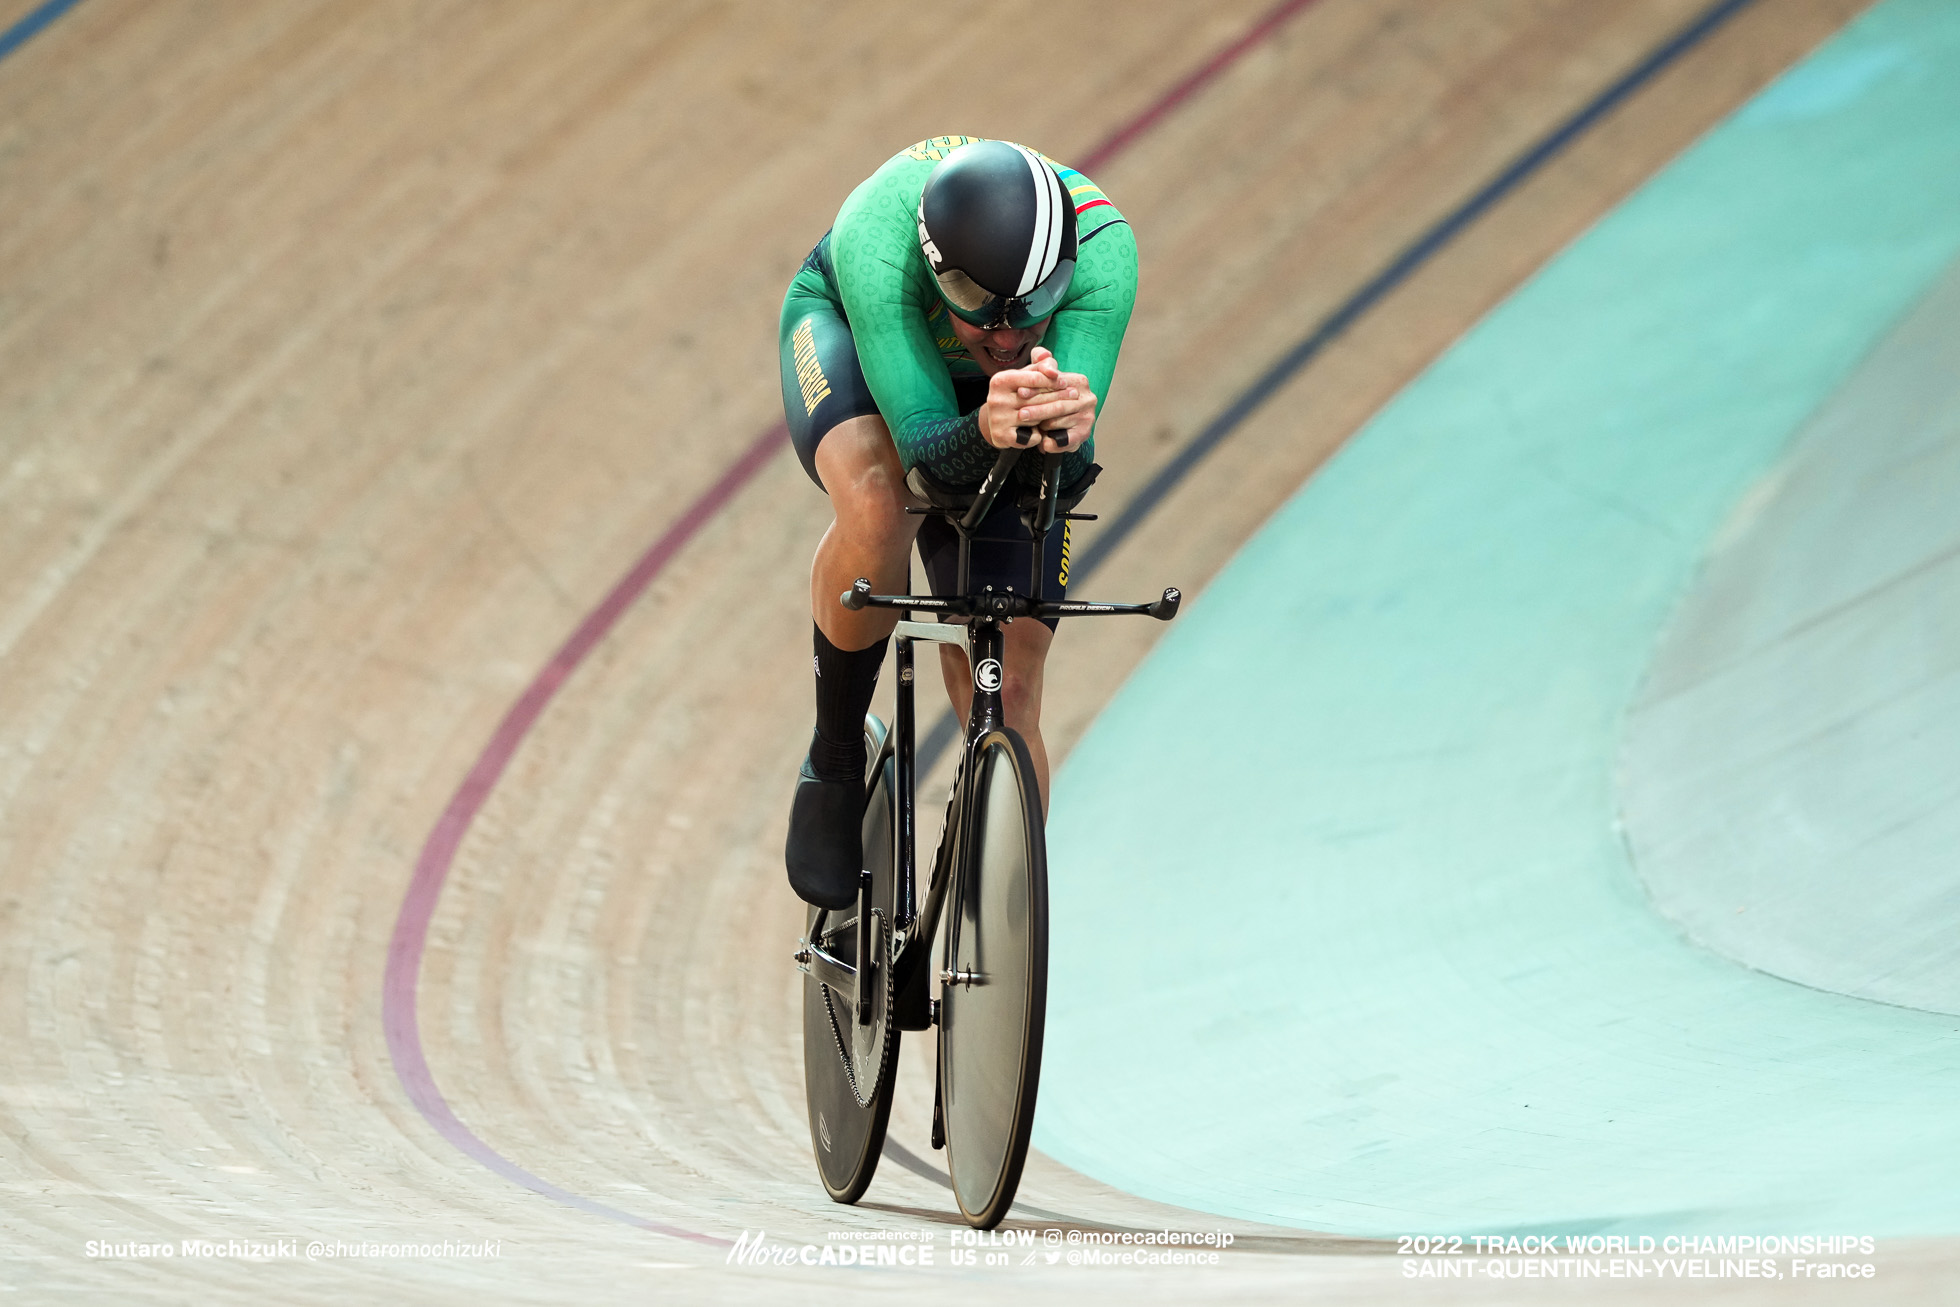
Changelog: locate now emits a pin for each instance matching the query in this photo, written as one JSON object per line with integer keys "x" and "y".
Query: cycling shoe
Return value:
{"x": 825, "y": 853}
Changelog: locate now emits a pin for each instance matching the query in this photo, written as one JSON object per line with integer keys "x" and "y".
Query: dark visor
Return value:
{"x": 976, "y": 304}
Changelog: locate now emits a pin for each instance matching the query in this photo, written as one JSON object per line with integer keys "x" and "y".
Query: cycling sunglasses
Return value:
{"x": 982, "y": 308}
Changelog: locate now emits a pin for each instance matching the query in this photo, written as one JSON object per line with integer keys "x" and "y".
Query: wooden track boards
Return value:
{"x": 349, "y": 352}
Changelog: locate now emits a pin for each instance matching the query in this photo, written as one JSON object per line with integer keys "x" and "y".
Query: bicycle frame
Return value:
{"x": 892, "y": 937}
{"x": 982, "y": 637}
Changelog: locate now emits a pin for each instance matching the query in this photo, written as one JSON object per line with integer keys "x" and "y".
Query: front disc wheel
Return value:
{"x": 994, "y": 987}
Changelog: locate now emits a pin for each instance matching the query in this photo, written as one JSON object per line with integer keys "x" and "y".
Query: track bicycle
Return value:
{"x": 867, "y": 972}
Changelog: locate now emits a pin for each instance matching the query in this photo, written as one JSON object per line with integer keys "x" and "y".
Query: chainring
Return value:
{"x": 866, "y": 1052}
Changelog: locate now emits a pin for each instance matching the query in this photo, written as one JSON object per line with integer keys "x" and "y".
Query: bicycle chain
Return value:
{"x": 843, "y": 1051}
{"x": 837, "y": 1031}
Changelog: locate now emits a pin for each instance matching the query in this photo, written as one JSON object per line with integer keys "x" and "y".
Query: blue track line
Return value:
{"x": 17, "y": 35}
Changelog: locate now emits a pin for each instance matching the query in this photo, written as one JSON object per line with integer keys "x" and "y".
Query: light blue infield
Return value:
{"x": 1346, "y": 935}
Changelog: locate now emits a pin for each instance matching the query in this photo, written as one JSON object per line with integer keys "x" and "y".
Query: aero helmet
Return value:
{"x": 998, "y": 230}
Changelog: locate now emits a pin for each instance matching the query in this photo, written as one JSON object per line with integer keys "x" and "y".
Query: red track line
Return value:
{"x": 398, "y": 987}
{"x": 1190, "y": 86}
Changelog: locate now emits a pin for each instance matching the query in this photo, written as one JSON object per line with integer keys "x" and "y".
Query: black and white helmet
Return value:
{"x": 998, "y": 230}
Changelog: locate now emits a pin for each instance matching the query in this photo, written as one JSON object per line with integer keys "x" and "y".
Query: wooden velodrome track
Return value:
{"x": 349, "y": 353}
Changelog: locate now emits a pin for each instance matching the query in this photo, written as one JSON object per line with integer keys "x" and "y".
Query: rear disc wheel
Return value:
{"x": 847, "y": 1067}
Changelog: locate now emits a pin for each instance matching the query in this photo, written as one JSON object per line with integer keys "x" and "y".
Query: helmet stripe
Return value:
{"x": 1058, "y": 202}
{"x": 1044, "y": 248}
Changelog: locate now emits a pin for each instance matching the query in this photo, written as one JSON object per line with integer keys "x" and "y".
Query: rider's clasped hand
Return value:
{"x": 1060, "y": 404}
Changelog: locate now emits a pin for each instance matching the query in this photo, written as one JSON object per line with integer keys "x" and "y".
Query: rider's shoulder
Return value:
{"x": 877, "y": 226}
{"x": 887, "y": 201}
{"x": 933, "y": 148}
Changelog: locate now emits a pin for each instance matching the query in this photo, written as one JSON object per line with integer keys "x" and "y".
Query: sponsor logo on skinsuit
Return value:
{"x": 809, "y": 373}
{"x": 935, "y": 148}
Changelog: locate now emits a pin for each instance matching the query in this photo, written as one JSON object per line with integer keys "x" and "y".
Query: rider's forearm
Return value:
{"x": 952, "y": 449}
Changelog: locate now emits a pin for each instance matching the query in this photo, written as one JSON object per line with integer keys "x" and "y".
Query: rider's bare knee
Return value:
{"x": 881, "y": 501}
{"x": 867, "y": 487}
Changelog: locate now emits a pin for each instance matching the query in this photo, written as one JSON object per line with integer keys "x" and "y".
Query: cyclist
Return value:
{"x": 968, "y": 288}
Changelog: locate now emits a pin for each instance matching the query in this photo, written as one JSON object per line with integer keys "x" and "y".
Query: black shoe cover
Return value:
{"x": 826, "y": 840}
